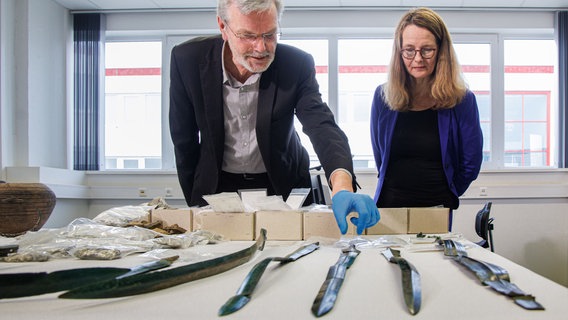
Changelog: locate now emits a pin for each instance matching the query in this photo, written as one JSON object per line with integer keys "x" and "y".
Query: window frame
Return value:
{"x": 555, "y": 112}
{"x": 168, "y": 158}
{"x": 497, "y": 87}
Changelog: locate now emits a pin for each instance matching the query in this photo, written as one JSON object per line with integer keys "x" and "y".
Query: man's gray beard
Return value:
{"x": 242, "y": 60}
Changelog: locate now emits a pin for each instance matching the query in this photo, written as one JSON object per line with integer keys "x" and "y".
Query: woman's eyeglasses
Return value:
{"x": 425, "y": 53}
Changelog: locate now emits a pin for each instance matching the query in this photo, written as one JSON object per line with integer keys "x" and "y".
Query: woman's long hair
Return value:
{"x": 447, "y": 84}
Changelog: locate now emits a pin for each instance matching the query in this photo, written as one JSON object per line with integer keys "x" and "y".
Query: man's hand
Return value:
{"x": 345, "y": 202}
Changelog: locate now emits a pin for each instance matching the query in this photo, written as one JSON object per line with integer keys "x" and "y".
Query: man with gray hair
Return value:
{"x": 233, "y": 98}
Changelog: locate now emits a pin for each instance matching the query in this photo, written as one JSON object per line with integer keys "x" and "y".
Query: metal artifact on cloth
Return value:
{"x": 327, "y": 295}
{"x": 411, "y": 287}
{"x": 491, "y": 275}
{"x": 154, "y": 281}
{"x": 7, "y": 249}
{"x": 244, "y": 294}
{"x": 15, "y": 285}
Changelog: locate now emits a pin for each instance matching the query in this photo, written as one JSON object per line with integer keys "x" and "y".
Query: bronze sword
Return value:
{"x": 159, "y": 280}
{"x": 327, "y": 295}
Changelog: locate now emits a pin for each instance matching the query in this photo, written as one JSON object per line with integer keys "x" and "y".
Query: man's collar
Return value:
{"x": 228, "y": 79}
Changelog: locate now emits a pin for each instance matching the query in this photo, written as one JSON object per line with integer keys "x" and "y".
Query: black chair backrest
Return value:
{"x": 482, "y": 221}
{"x": 317, "y": 189}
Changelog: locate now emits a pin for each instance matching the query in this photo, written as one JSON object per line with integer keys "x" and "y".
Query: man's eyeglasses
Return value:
{"x": 425, "y": 53}
{"x": 251, "y": 38}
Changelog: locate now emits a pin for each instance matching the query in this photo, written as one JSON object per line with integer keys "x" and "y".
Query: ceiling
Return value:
{"x": 156, "y": 5}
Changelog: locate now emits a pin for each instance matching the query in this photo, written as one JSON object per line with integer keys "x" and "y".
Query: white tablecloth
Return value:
{"x": 371, "y": 290}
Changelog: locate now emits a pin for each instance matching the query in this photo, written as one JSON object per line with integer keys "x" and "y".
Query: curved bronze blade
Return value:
{"x": 17, "y": 285}
{"x": 149, "y": 266}
{"x": 487, "y": 277}
{"x": 491, "y": 275}
{"x": 327, "y": 295}
{"x": 154, "y": 281}
{"x": 411, "y": 287}
{"x": 243, "y": 295}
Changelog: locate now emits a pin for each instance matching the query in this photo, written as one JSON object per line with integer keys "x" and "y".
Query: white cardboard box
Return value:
{"x": 393, "y": 221}
{"x": 231, "y": 225}
{"x": 182, "y": 217}
{"x": 428, "y": 220}
{"x": 323, "y": 224}
{"x": 280, "y": 225}
{"x": 411, "y": 220}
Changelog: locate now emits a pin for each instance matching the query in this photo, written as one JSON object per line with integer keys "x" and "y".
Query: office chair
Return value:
{"x": 484, "y": 227}
{"x": 317, "y": 187}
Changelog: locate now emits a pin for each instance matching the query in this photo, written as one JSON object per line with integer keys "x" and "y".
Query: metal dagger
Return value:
{"x": 325, "y": 299}
{"x": 15, "y": 285}
{"x": 491, "y": 275}
{"x": 154, "y": 281}
{"x": 411, "y": 287}
{"x": 243, "y": 295}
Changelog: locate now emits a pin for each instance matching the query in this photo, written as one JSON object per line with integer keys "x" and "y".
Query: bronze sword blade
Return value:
{"x": 17, "y": 285}
{"x": 246, "y": 289}
{"x": 411, "y": 286}
{"x": 154, "y": 281}
{"x": 327, "y": 295}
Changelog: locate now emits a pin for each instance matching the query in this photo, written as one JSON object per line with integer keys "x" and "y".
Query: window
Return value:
{"x": 363, "y": 65}
{"x": 132, "y": 116}
{"x": 475, "y": 60}
{"x": 522, "y": 110}
{"x": 514, "y": 80}
{"x": 319, "y": 51}
{"x": 530, "y": 84}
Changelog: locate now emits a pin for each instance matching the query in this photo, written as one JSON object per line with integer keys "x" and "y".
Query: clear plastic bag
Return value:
{"x": 86, "y": 228}
{"x": 87, "y": 239}
{"x": 371, "y": 243}
{"x": 122, "y": 216}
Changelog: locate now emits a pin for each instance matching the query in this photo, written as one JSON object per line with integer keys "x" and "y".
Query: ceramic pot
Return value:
{"x": 24, "y": 207}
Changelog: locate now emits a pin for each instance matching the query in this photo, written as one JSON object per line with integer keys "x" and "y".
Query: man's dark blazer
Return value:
{"x": 287, "y": 88}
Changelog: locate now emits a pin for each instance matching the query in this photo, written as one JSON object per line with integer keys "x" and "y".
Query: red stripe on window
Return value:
{"x": 529, "y": 69}
{"x": 476, "y": 69}
{"x": 133, "y": 72}
{"x": 509, "y": 69}
{"x": 322, "y": 69}
{"x": 465, "y": 69}
{"x": 346, "y": 69}
{"x": 363, "y": 69}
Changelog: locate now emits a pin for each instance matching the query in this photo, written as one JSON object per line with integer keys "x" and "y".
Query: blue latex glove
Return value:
{"x": 345, "y": 202}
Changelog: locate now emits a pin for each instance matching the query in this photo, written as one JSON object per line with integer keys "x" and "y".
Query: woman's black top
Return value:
{"x": 415, "y": 176}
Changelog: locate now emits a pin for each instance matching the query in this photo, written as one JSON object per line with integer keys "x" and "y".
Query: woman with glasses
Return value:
{"x": 425, "y": 129}
{"x": 233, "y": 99}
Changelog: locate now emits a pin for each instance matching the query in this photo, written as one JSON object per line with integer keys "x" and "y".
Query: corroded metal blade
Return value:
{"x": 243, "y": 295}
{"x": 233, "y": 304}
{"x": 411, "y": 288}
{"x": 17, "y": 285}
{"x": 327, "y": 295}
{"x": 149, "y": 266}
{"x": 491, "y": 275}
{"x": 154, "y": 281}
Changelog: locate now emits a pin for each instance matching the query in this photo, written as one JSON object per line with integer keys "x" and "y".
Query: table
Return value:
{"x": 371, "y": 290}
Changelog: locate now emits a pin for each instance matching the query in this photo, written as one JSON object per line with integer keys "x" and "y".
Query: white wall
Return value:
{"x": 531, "y": 232}
{"x": 530, "y": 208}
{"x": 7, "y": 85}
{"x": 33, "y": 108}
{"x": 46, "y": 94}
